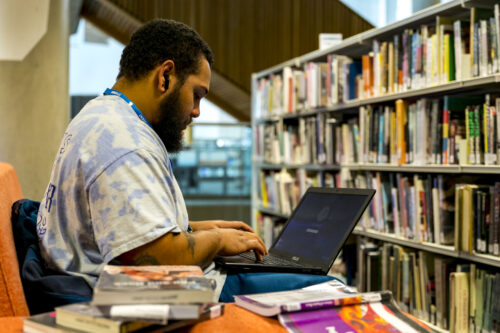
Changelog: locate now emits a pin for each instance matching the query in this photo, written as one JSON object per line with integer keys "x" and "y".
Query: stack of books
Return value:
{"x": 133, "y": 298}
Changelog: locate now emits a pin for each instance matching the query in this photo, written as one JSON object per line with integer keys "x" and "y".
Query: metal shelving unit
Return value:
{"x": 449, "y": 251}
{"x": 434, "y": 168}
{"x": 311, "y": 167}
{"x": 429, "y": 247}
{"x": 356, "y": 46}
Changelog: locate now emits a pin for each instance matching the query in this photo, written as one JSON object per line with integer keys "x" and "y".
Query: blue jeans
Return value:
{"x": 252, "y": 283}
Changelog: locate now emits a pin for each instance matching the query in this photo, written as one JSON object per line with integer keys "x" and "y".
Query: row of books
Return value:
{"x": 458, "y": 130}
{"x": 444, "y": 210}
{"x": 136, "y": 298}
{"x": 332, "y": 307}
{"x": 306, "y": 141}
{"x": 454, "y": 48}
{"x": 454, "y": 130}
{"x": 282, "y": 190}
{"x": 449, "y": 294}
{"x": 418, "y": 207}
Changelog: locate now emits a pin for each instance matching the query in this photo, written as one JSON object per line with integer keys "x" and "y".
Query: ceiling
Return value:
{"x": 246, "y": 36}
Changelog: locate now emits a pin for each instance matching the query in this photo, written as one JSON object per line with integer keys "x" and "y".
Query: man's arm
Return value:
{"x": 195, "y": 248}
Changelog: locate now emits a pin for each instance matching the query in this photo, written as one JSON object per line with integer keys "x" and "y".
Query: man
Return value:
{"x": 112, "y": 196}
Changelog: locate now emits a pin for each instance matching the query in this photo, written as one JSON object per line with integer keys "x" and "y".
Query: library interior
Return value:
{"x": 359, "y": 139}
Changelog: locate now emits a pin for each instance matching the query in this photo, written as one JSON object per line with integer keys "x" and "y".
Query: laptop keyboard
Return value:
{"x": 269, "y": 260}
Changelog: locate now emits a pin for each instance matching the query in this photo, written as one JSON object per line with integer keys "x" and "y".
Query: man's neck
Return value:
{"x": 137, "y": 92}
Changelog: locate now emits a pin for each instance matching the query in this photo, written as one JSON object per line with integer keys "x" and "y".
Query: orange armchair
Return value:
{"x": 12, "y": 301}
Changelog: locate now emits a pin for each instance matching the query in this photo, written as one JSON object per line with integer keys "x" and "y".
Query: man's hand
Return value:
{"x": 215, "y": 224}
{"x": 234, "y": 242}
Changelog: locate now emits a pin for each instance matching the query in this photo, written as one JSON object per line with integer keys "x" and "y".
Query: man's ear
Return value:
{"x": 165, "y": 75}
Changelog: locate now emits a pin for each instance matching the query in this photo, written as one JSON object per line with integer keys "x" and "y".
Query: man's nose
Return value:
{"x": 196, "y": 112}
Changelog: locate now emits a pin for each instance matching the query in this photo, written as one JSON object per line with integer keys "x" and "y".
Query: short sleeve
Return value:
{"x": 134, "y": 201}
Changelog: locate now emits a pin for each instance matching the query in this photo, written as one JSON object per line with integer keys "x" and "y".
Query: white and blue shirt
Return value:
{"x": 112, "y": 189}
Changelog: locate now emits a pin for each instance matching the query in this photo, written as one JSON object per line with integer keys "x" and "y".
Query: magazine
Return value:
{"x": 384, "y": 316}
{"x": 152, "y": 285}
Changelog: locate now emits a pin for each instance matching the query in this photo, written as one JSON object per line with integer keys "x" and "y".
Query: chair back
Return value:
{"x": 12, "y": 300}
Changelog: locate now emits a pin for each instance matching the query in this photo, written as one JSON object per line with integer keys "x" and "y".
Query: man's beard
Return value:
{"x": 171, "y": 123}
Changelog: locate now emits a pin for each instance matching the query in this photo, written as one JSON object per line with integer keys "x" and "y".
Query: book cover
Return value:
{"x": 152, "y": 284}
{"x": 367, "y": 72}
{"x": 378, "y": 316}
{"x": 401, "y": 120}
{"x": 332, "y": 294}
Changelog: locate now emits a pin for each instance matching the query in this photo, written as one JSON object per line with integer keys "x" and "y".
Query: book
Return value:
{"x": 44, "y": 323}
{"x": 47, "y": 323}
{"x": 459, "y": 304}
{"x": 152, "y": 285}
{"x": 375, "y": 316}
{"x": 87, "y": 318}
{"x": 73, "y": 315}
{"x": 329, "y": 294}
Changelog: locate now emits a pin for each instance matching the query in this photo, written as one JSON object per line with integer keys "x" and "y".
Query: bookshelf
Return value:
{"x": 409, "y": 109}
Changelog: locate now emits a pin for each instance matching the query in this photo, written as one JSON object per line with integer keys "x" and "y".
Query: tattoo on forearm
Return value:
{"x": 191, "y": 243}
{"x": 146, "y": 259}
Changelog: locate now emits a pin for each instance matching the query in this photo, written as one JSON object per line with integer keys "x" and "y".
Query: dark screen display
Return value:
{"x": 319, "y": 225}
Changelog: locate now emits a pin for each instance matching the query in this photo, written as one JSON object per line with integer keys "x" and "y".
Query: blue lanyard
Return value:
{"x": 129, "y": 102}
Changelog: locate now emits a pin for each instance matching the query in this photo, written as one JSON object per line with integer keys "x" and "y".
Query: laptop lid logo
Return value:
{"x": 295, "y": 258}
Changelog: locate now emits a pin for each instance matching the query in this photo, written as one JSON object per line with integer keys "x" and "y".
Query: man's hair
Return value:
{"x": 160, "y": 40}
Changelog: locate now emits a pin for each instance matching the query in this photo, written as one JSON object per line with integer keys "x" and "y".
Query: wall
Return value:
{"x": 34, "y": 104}
{"x": 274, "y": 31}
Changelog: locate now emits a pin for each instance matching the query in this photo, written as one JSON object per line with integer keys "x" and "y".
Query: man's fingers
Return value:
{"x": 258, "y": 256}
{"x": 246, "y": 227}
{"x": 259, "y": 246}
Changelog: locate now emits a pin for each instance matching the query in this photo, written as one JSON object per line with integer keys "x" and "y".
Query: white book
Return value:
{"x": 152, "y": 285}
{"x": 268, "y": 231}
{"x": 319, "y": 296}
{"x": 436, "y": 215}
{"x": 288, "y": 87}
{"x": 457, "y": 30}
{"x": 483, "y": 48}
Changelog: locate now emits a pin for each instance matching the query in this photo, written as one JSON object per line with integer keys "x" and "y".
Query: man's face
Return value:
{"x": 180, "y": 106}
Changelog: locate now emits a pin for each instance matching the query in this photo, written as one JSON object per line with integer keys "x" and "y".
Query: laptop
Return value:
{"x": 313, "y": 235}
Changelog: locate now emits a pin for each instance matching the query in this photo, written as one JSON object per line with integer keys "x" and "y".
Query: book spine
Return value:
{"x": 446, "y": 120}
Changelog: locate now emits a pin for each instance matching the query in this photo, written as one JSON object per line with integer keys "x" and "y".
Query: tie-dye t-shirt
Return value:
{"x": 111, "y": 190}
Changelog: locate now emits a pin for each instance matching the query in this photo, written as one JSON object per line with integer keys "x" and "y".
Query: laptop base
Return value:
{"x": 241, "y": 265}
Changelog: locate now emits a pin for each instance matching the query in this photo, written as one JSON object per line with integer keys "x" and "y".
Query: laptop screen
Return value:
{"x": 320, "y": 225}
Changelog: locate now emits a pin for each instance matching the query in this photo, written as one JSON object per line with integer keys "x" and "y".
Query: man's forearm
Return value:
{"x": 195, "y": 248}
